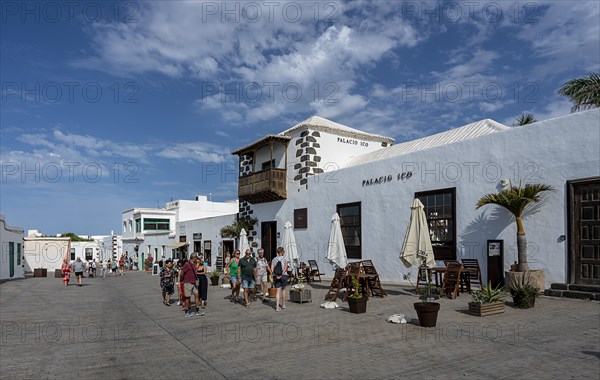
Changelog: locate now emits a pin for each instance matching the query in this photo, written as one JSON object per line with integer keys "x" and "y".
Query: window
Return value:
{"x": 138, "y": 225}
{"x": 300, "y": 218}
{"x": 89, "y": 254}
{"x": 351, "y": 228}
{"x": 124, "y": 226}
{"x": 268, "y": 164}
{"x": 18, "y": 253}
{"x": 72, "y": 254}
{"x": 441, "y": 216}
{"x": 130, "y": 225}
{"x": 156, "y": 224}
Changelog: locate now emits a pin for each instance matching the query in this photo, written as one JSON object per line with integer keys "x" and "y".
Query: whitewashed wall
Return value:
{"x": 45, "y": 253}
{"x": 550, "y": 152}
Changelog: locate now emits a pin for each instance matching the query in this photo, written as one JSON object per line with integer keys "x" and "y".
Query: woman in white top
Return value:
{"x": 280, "y": 277}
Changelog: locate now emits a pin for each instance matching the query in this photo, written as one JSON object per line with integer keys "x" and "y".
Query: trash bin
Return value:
{"x": 58, "y": 273}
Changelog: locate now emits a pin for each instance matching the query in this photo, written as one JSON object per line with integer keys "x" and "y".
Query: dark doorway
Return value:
{"x": 227, "y": 250}
{"x": 584, "y": 231}
{"x": 269, "y": 239}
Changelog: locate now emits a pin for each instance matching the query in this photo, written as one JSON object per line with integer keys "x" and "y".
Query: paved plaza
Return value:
{"x": 116, "y": 328}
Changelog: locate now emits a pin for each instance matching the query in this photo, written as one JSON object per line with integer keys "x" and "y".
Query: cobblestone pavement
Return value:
{"x": 118, "y": 328}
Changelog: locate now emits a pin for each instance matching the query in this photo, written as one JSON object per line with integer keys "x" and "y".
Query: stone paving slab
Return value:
{"x": 118, "y": 328}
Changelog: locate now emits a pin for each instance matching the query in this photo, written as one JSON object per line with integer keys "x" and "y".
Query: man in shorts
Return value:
{"x": 247, "y": 272}
{"x": 188, "y": 274}
{"x": 79, "y": 268}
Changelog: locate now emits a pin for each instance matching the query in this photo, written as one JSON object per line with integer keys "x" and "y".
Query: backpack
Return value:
{"x": 278, "y": 269}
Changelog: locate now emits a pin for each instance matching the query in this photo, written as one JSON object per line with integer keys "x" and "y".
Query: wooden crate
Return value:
{"x": 483, "y": 309}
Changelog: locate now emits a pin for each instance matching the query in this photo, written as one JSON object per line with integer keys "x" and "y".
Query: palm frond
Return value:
{"x": 524, "y": 119}
{"x": 584, "y": 92}
{"x": 516, "y": 199}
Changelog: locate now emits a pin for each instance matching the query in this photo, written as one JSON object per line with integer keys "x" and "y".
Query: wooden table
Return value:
{"x": 465, "y": 276}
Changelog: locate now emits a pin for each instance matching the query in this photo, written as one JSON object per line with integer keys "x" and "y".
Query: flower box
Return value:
{"x": 483, "y": 309}
{"x": 301, "y": 295}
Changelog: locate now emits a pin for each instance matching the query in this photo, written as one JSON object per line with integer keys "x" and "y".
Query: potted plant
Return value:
{"x": 214, "y": 277}
{"x": 272, "y": 289}
{"x": 487, "y": 301}
{"x": 523, "y": 292}
{"x": 427, "y": 310}
{"x": 299, "y": 293}
{"x": 357, "y": 302}
{"x": 517, "y": 200}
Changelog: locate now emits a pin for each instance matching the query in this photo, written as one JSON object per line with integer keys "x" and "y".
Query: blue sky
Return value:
{"x": 110, "y": 105}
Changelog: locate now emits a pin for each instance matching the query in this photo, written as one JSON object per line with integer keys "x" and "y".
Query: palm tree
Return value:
{"x": 584, "y": 92}
{"x": 524, "y": 119}
{"x": 233, "y": 230}
{"x": 516, "y": 200}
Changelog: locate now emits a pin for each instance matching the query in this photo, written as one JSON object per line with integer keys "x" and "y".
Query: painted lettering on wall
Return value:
{"x": 352, "y": 142}
{"x": 404, "y": 176}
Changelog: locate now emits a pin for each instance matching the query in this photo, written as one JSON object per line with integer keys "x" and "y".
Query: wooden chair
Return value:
{"x": 313, "y": 270}
{"x": 421, "y": 277}
{"x": 452, "y": 279}
{"x": 292, "y": 278}
{"x": 336, "y": 284}
{"x": 473, "y": 273}
{"x": 464, "y": 279}
{"x": 373, "y": 282}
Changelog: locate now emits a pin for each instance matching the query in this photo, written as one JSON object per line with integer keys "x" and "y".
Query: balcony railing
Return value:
{"x": 264, "y": 186}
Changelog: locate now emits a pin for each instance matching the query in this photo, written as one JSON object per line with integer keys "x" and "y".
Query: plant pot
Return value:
{"x": 214, "y": 281}
{"x": 483, "y": 309}
{"x": 40, "y": 272}
{"x": 272, "y": 292}
{"x": 358, "y": 306}
{"x": 427, "y": 313}
{"x": 524, "y": 300}
{"x": 300, "y": 296}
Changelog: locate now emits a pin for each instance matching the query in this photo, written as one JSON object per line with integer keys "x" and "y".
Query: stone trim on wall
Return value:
{"x": 246, "y": 212}
{"x": 307, "y": 149}
{"x": 246, "y": 164}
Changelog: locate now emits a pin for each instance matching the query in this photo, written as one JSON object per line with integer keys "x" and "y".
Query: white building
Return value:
{"x": 307, "y": 173}
{"x": 86, "y": 250}
{"x": 171, "y": 231}
{"x": 11, "y": 246}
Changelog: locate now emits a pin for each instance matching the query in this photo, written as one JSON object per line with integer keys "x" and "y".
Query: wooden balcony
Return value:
{"x": 264, "y": 186}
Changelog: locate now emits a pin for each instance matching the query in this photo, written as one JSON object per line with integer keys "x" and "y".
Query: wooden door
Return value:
{"x": 584, "y": 229}
{"x": 11, "y": 259}
{"x": 269, "y": 239}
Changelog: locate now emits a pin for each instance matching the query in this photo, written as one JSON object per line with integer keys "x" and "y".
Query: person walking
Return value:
{"x": 201, "y": 269}
{"x": 247, "y": 273}
{"x": 79, "y": 268}
{"x": 114, "y": 266}
{"x": 180, "y": 294}
{"x": 279, "y": 267}
{"x": 188, "y": 273}
{"x": 121, "y": 265}
{"x": 103, "y": 267}
{"x": 233, "y": 272}
{"x": 167, "y": 277}
{"x": 262, "y": 274}
{"x": 66, "y": 272}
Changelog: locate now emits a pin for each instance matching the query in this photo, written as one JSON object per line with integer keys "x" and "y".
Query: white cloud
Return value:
{"x": 198, "y": 151}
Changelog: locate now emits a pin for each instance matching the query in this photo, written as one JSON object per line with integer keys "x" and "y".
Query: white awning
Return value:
{"x": 177, "y": 245}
